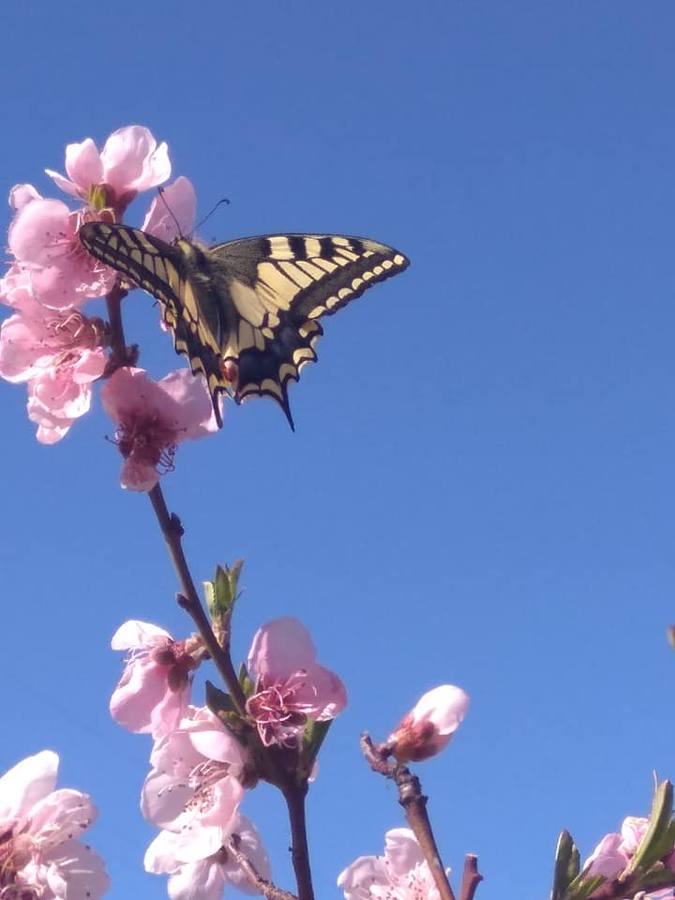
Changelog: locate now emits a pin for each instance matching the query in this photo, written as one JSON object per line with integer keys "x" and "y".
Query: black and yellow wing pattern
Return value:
{"x": 245, "y": 313}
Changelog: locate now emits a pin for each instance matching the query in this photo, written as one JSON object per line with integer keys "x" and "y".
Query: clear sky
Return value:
{"x": 480, "y": 488}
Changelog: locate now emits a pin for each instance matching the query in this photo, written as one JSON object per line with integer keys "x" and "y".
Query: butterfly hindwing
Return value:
{"x": 281, "y": 285}
{"x": 249, "y": 306}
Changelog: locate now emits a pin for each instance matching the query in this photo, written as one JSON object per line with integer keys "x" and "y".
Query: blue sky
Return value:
{"x": 480, "y": 488}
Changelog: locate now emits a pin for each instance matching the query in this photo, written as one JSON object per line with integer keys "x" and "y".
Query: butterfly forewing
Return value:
{"x": 253, "y": 303}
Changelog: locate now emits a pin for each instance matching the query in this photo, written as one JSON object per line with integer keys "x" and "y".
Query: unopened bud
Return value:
{"x": 429, "y": 725}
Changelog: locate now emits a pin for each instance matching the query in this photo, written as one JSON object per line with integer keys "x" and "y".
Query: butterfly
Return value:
{"x": 245, "y": 313}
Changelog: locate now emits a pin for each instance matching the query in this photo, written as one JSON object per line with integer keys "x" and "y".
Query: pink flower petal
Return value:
{"x": 608, "y": 858}
{"x": 280, "y": 648}
{"x": 83, "y": 164}
{"x": 172, "y": 214}
{"x": 75, "y": 871}
{"x": 59, "y": 815}
{"x": 41, "y": 232}
{"x": 132, "y": 160}
{"x": 26, "y": 783}
{"x": 22, "y": 194}
{"x": 134, "y": 634}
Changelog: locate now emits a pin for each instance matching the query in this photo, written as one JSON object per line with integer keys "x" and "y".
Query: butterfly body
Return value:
{"x": 246, "y": 312}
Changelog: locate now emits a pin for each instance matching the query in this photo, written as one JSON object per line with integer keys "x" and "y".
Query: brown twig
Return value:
{"x": 294, "y": 795}
{"x": 415, "y": 805}
{"x": 189, "y": 599}
{"x": 120, "y": 354}
{"x": 265, "y": 887}
{"x": 471, "y": 877}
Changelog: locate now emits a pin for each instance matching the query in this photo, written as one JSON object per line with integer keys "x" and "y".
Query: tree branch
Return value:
{"x": 121, "y": 355}
{"x": 471, "y": 877}
{"x": 265, "y": 887}
{"x": 294, "y": 795}
{"x": 415, "y": 805}
{"x": 188, "y": 599}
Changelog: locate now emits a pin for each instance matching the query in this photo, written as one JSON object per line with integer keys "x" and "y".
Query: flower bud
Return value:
{"x": 429, "y": 725}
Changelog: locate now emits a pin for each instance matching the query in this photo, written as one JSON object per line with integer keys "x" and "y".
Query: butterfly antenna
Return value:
{"x": 160, "y": 191}
{"x": 209, "y": 214}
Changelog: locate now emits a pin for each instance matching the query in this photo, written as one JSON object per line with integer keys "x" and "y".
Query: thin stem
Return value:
{"x": 471, "y": 877}
{"x": 118, "y": 343}
{"x": 189, "y": 598}
{"x": 294, "y": 795}
{"x": 265, "y": 887}
{"x": 415, "y": 805}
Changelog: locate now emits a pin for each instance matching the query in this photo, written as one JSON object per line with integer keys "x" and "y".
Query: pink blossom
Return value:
{"x": 430, "y": 724}
{"x": 154, "y": 691}
{"x": 195, "y": 779}
{"x": 615, "y": 851}
{"x": 633, "y": 829}
{"x": 609, "y": 858}
{"x": 152, "y": 418}
{"x": 38, "y": 855}
{"x": 402, "y": 873}
{"x": 43, "y": 237}
{"x": 130, "y": 161}
{"x": 290, "y": 687}
{"x": 59, "y": 354}
{"x": 172, "y": 215}
{"x": 206, "y": 876}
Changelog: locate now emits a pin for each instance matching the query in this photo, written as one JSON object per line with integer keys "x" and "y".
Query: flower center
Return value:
{"x": 14, "y": 855}
{"x": 279, "y": 715}
{"x": 149, "y": 440}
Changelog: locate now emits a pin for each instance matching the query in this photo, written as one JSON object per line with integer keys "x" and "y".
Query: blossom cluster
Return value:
{"x": 200, "y": 769}
{"x": 58, "y": 351}
{"x": 40, "y": 857}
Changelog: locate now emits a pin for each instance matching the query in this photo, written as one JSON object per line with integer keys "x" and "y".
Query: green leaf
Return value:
{"x": 221, "y": 593}
{"x": 658, "y": 877}
{"x": 221, "y": 705}
{"x": 218, "y": 701}
{"x": 566, "y": 866}
{"x": 659, "y": 837}
{"x": 312, "y": 739}
{"x": 583, "y": 886}
{"x": 245, "y": 681}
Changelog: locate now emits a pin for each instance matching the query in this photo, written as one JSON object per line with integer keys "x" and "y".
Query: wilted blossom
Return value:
{"x": 203, "y": 874}
{"x": 430, "y": 724}
{"x": 58, "y": 353}
{"x": 195, "y": 781}
{"x": 401, "y": 874}
{"x": 130, "y": 161}
{"x": 152, "y": 418}
{"x": 154, "y": 691}
{"x": 290, "y": 687}
{"x": 39, "y": 857}
{"x": 615, "y": 851}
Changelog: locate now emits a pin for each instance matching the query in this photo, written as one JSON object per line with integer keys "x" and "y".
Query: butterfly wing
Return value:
{"x": 280, "y": 285}
{"x": 250, "y": 306}
{"x": 166, "y": 271}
